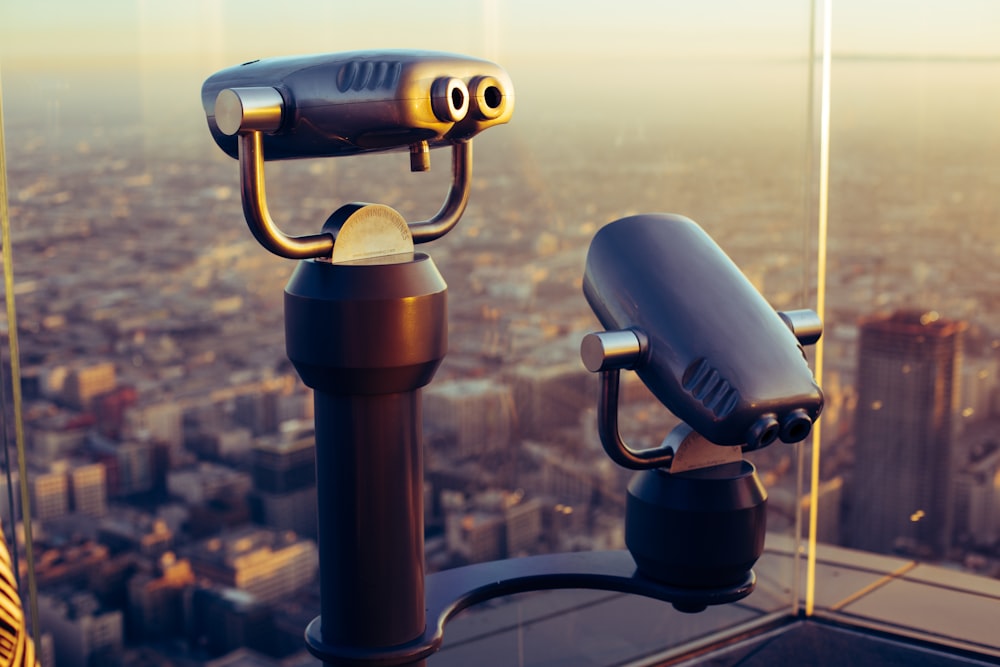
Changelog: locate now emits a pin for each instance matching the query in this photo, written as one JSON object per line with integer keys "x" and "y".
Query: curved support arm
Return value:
{"x": 451, "y": 591}
{"x": 264, "y": 229}
{"x": 458, "y": 197}
{"x": 255, "y": 207}
{"x": 611, "y": 439}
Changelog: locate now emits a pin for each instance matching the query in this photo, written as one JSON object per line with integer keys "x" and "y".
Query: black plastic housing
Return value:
{"x": 717, "y": 354}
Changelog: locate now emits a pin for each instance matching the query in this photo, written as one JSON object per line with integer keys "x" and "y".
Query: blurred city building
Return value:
{"x": 84, "y": 634}
{"x": 284, "y": 481}
{"x": 900, "y": 497}
{"x": 267, "y": 564}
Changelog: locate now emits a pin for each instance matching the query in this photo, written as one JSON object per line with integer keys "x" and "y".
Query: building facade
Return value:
{"x": 266, "y": 564}
{"x": 901, "y": 500}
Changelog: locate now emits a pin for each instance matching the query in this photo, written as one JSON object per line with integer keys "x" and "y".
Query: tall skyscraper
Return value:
{"x": 901, "y": 498}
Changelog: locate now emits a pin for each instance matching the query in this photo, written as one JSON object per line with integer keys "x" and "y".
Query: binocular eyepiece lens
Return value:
{"x": 795, "y": 426}
{"x": 488, "y": 99}
{"x": 450, "y": 99}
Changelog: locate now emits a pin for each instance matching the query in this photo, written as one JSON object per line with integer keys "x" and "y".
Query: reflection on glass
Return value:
{"x": 911, "y": 425}
{"x": 913, "y": 342}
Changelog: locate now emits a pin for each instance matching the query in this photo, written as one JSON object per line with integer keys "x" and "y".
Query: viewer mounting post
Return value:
{"x": 365, "y": 314}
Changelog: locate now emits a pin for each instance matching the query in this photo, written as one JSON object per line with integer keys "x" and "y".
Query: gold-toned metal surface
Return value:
{"x": 246, "y": 109}
{"x": 368, "y": 231}
{"x": 258, "y": 218}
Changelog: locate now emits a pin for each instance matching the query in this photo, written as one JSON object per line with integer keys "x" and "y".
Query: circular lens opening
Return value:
{"x": 798, "y": 432}
{"x": 763, "y": 432}
{"x": 796, "y": 426}
{"x": 457, "y": 98}
{"x": 449, "y": 99}
{"x": 493, "y": 97}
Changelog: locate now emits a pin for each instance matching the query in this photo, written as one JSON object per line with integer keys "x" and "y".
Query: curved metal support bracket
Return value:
{"x": 607, "y": 352}
{"x": 451, "y": 591}
{"x": 267, "y": 233}
{"x": 611, "y": 439}
{"x": 454, "y": 204}
{"x": 255, "y": 210}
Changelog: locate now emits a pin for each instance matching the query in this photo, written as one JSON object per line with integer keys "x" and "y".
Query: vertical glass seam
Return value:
{"x": 15, "y": 379}
{"x": 821, "y": 250}
{"x": 809, "y": 168}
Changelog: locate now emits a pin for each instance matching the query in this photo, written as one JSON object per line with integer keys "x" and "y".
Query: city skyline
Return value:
{"x": 774, "y": 271}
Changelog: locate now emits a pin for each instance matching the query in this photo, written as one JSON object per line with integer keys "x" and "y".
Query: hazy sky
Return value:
{"x": 559, "y": 29}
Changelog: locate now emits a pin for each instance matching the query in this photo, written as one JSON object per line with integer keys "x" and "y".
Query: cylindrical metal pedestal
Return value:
{"x": 371, "y": 524}
{"x": 366, "y": 336}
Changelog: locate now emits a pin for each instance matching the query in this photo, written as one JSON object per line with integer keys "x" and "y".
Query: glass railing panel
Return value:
{"x": 159, "y": 405}
{"x": 911, "y": 430}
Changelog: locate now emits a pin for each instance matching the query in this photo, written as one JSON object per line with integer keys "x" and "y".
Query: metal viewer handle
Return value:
{"x": 250, "y": 112}
{"x": 805, "y": 324}
{"x": 608, "y": 352}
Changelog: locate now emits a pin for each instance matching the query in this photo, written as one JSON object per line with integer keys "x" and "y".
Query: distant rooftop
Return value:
{"x": 914, "y": 322}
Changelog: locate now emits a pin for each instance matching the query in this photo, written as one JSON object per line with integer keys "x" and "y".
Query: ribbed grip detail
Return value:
{"x": 706, "y": 385}
{"x": 368, "y": 74}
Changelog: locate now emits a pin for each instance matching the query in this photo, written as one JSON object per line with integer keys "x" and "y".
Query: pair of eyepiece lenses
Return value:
{"x": 452, "y": 100}
{"x": 795, "y": 427}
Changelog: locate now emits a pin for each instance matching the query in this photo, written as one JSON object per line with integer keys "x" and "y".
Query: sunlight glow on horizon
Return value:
{"x": 67, "y": 32}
